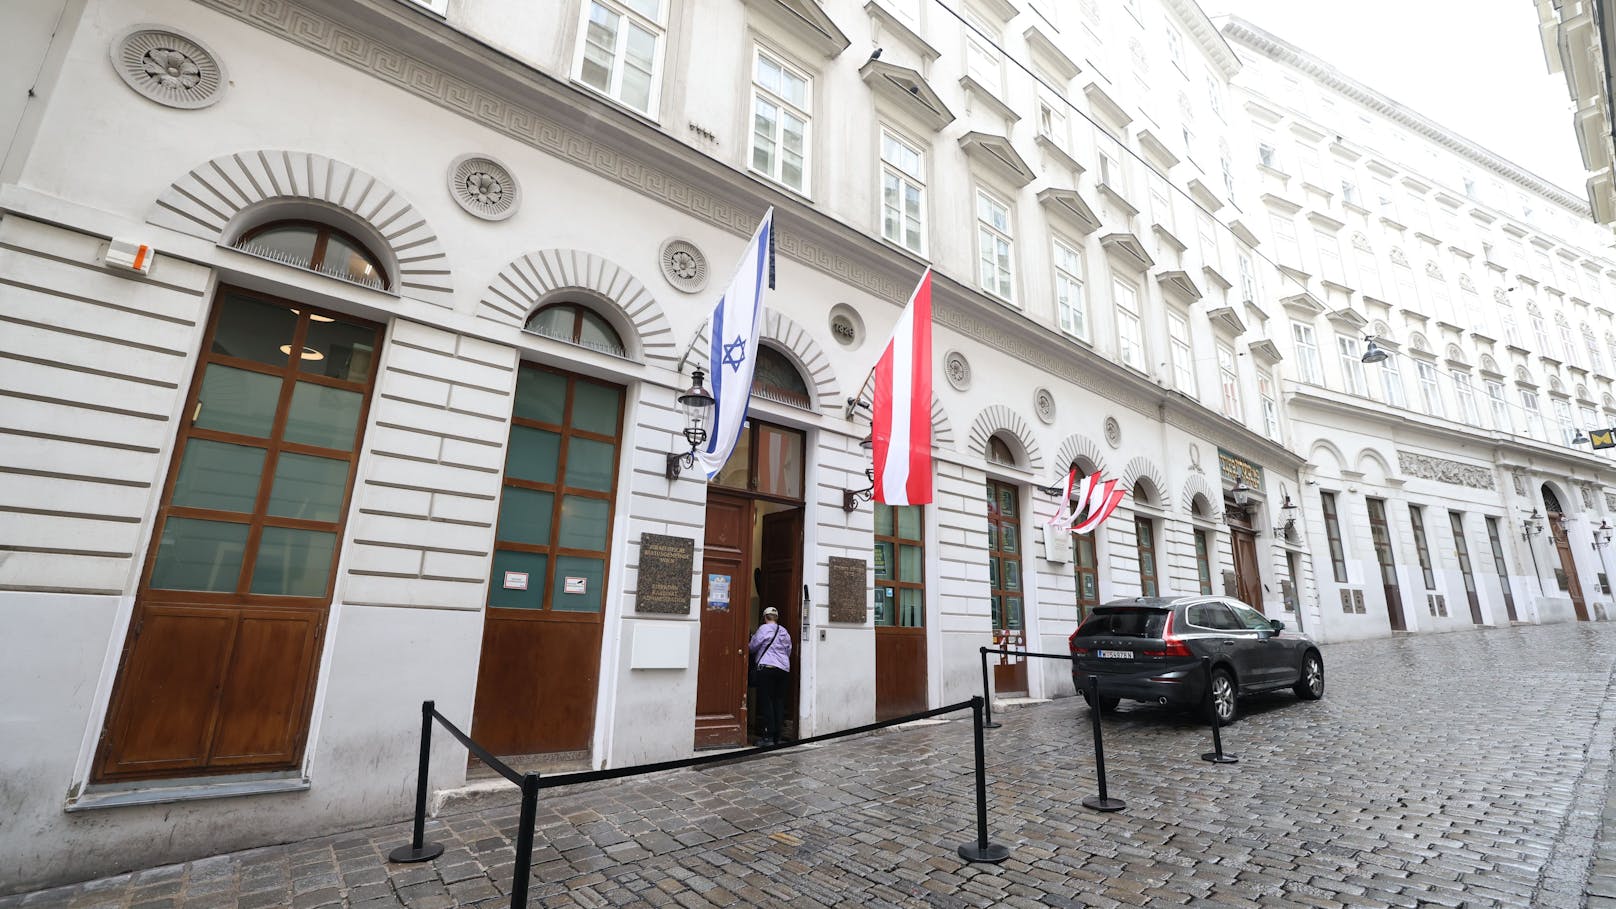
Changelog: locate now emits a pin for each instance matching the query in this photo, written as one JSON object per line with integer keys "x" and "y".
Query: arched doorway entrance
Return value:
{"x": 1566, "y": 574}
{"x": 752, "y": 559}
{"x": 1006, "y": 591}
{"x": 1243, "y": 542}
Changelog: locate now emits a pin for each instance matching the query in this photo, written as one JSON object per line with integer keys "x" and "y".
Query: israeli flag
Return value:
{"x": 734, "y": 327}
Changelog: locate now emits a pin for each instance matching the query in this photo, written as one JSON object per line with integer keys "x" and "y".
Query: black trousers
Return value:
{"x": 771, "y": 688}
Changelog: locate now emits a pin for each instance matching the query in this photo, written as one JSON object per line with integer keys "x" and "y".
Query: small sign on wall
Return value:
{"x": 576, "y": 585}
{"x": 718, "y": 592}
{"x": 515, "y": 580}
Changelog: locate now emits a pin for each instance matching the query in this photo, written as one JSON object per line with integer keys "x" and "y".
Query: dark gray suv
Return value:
{"x": 1150, "y": 649}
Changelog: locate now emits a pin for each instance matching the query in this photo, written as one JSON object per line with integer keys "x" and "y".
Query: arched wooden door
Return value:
{"x": 1566, "y": 574}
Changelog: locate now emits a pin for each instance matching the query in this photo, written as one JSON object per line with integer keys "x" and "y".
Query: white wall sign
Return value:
{"x": 576, "y": 585}
{"x": 515, "y": 580}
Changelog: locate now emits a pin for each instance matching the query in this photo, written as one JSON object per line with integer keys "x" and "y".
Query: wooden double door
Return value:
{"x": 218, "y": 670}
{"x": 1243, "y": 540}
{"x": 1381, "y": 535}
{"x": 1567, "y": 574}
{"x": 900, "y": 610}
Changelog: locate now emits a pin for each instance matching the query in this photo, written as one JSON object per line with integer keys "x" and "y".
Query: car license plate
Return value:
{"x": 1115, "y": 654}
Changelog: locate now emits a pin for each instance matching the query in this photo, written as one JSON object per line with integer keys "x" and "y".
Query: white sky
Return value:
{"x": 1474, "y": 66}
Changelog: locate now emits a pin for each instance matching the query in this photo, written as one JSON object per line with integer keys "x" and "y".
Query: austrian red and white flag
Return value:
{"x": 1063, "y": 517}
{"x": 901, "y": 411}
{"x": 1100, "y": 498}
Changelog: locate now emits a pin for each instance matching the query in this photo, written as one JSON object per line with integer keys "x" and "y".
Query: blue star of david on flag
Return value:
{"x": 735, "y": 353}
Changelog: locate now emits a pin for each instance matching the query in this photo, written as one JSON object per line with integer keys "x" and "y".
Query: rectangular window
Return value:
{"x": 1416, "y": 519}
{"x": 1086, "y": 571}
{"x": 1329, "y": 257}
{"x": 1307, "y": 162}
{"x": 903, "y": 193}
{"x": 1203, "y": 561}
{"x": 1352, "y": 373}
{"x": 907, "y": 10}
{"x": 900, "y": 566}
{"x": 1214, "y": 100}
{"x": 1228, "y": 382}
{"x": 1408, "y": 293}
{"x": 620, "y": 51}
{"x": 1596, "y": 358}
{"x": 1465, "y": 393}
{"x": 1207, "y": 228}
{"x": 1540, "y": 331}
{"x": 1175, "y": 47}
{"x": 1332, "y": 533}
{"x": 1307, "y": 354}
{"x": 1267, "y": 155}
{"x": 1385, "y": 200}
{"x": 1248, "y": 279}
{"x": 1052, "y": 123}
{"x": 1567, "y": 349}
{"x": 1285, "y": 245}
{"x": 780, "y": 104}
{"x": 1004, "y": 560}
{"x": 1349, "y": 192}
{"x": 1368, "y": 273}
{"x": 1130, "y": 334}
{"x": 1270, "y": 405}
{"x": 1161, "y": 200}
{"x": 993, "y": 246}
{"x": 1183, "y": 358}
{"x": 1145, "y": 545}
{"x": 1534, "y": 416}
{"x": 1073, "y": 309}
{"x": 1562, "y": 416}
{"x": 1430, "y": 393}
{"x": 1500, "y": 566}
{"x": 1499, "y": 407}
{"x": 1391, "y": 382}
{"x": 1113, "y": 173}
{"x": 982, "y": 61}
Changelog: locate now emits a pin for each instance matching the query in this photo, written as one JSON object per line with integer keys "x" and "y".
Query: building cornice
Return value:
{"x": 1250, "y": 36}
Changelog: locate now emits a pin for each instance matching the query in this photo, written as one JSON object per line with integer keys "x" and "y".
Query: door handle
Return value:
{"x": 1227, "y": 642}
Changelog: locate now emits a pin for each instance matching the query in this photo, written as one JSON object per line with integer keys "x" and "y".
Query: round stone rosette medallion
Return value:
{"x": 168, "y": 66}
{"x": 484, "y": 187}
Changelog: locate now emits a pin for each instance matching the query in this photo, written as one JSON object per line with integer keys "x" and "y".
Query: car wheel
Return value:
{"x": 1223, "y": 699}
{"x": 1106, "y": 704}
{"x": 1311, "y": 685}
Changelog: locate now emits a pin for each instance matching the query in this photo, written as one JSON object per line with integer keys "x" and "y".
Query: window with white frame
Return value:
{"x": 1161, "y": 200}
{"x": 1181, "y": 354}
{"x": 1228, "y": 382}
{"x": 1113, "y": 173}
{"x": 1610, "y": 346}
{"x": 1072, "y": 307}
{"x": 1391, "y": 382}
{"x": 1214, "y": 96}
{"x": 1563, "y": 329}
{"x": 1052, "y": 123}
{"x": 1589, "y": 421}
{"x": 1349, "y": 191}
{"x": 1499, "y": 407}
{"x": 780, "y": 116}
{"x": 1175, "y": 47}
{"x": 1441, "y": 302}
{"x": 1130, "y": 333}
{"x": 1385, "y": 200}
{"x": 1307, "y": 163}
{"x": 1408, "y": 293}
{"x": 1534, "y": 416}
{"x": 982, "y": 60}
{"x": 1307, "y": 353}
{"x": 903, "y": 192}
{"x": 1540, "y": 329}
{"x": 1207, "y": 228}
{"x": 1270, "y": 405}
{"x": 1465, "y": 393}
{"x": 620, "y": 51}
{"x": 1596, "y": 357}
{"x": 1290, "y": 251}
{"x": 994, "y": 246}
{"x": 1368, "y": 272}
{"x": 1227, "y": 164}
{"x": 1562, "y": 416}
{"x": 1430, "y": 392}
{"x": 1267, "y": 154}
{"x": 1248, "y": 279}
{"x": 907, "y": 10}
{"x": 1352, "y": 372}
{"x": 1329, "y": 256}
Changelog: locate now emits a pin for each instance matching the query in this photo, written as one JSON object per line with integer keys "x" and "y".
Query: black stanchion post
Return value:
{"x": 981, "y": 850}
{"x": 524, "y": 841}
{"x": 1103, "y": 801}
{"x": 1216, "y": 755}
{"x": 984, "y": 717}
{"x": 418, "y": 850}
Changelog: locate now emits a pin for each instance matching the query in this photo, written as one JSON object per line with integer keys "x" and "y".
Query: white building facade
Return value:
{"x": 343, "y": 343}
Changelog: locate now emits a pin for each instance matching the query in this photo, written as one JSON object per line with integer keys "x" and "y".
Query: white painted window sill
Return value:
{"x": 120, "y": 795}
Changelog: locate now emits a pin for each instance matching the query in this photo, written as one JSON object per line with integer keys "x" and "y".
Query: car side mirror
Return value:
{"x": 1278, "y": 625}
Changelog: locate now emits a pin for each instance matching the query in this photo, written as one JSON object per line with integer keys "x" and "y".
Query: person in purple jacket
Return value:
{"x": 771, "y": 652}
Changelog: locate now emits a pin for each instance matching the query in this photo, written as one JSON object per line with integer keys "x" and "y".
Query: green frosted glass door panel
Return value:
{"x": 238, "y": 401}
{"x": 578, "y": 584}
{"x": 883, "y": 520}
{"x": 345, "y": 351}
{"x": 590, "y": 463}
{"x": 518, "y": 580}
{"x": 540, "y": 396}
{"x": 199, "y": 555}
{"x": 219, "y": 475}
{"x": 912, "y": 606}
{"x": 308, "y": 487}
{"x": 327, "y": 417}
{"x": 583, "y": 523}
{"x": 533, "y": 454}
{"x": 909, "y": 521}
{"x": 595, "y": 407}
{"x": 293, "y": 563}
{"x": 910, "y": 564}
{"x": 524, "y": 516}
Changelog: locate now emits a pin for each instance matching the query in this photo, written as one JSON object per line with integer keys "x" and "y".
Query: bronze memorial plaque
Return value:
{"x": 849, "y": 590}
{"x": 664, "y": 582}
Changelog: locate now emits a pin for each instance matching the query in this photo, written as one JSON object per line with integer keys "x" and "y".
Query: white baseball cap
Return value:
{"x": 772, "y": 611}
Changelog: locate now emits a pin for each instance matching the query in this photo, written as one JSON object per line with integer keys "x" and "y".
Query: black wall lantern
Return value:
{"x": 851, "y": 497}
{"x": 697, "y": 403}
{"x": 1373, "y": 353}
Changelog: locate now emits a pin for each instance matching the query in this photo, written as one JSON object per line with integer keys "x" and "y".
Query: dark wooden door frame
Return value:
{"x": 1009, "y": 674}
{"x": 1461, "y": 548}
{"x": 1386, "y": 562}
{"x": 1568, "y": 564}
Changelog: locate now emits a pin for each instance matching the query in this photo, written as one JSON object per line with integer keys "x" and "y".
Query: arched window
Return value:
{"x": 576, "y": 324}
{"x": 999, "y": 451}
{"x": 1551, "y": 502}
{"x": 776, "y": 379}
{"x": 316, "y": 247}
{"x": 1141, "y": 493}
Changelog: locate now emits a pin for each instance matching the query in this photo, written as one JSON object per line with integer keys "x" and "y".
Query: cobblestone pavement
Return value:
{"x": 1457, "y": 770}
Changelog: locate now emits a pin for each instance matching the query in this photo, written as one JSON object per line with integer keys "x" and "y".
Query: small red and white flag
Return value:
{"x": 901, "y": 411}
{"x": 1100, "y": 499}
{"x": 1063, "y": 517}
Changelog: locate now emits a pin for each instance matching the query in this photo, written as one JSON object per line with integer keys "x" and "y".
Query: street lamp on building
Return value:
{"x": 1532, "y": 526}
{"x": 1241, "y": 493}
{"x": 1373, "y": 353}
{"x": 697, "y": 403}
{"x": 851, "y": 497}
{"x": 1602, "y": 534}
{"x": 1287, "y": 511}
{"x": 1581, "y": 438}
